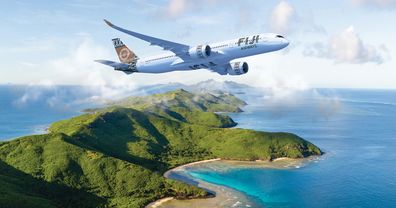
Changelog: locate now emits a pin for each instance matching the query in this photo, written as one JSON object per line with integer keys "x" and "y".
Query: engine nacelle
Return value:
{"x": 200, "y": 51}
{"x": 238, "y": 68}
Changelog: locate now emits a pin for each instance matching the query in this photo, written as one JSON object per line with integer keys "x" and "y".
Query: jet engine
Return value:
{"x": 200, "y": 51}
{"x": 238, "y": 68}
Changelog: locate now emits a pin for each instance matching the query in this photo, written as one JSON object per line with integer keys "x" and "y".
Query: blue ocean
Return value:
{"x": 26, "y": 110}
{"x": 355, "y": 128}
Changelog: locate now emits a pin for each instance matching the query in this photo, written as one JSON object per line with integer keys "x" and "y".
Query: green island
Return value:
{"x": 116, "y": 156}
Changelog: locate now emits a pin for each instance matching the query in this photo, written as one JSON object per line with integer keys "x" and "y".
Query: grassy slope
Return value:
{"x": 188, "y": 107}
{"x": 116, "y": 156}
{"x": 182, "y": 98}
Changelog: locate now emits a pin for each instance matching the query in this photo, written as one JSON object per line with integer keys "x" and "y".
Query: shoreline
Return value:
{"x": 168, "y": 172}
{"x": 224, "y": 196}
{"x": 158, "y": 203}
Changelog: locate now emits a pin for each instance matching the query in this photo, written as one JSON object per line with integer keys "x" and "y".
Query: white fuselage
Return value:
{"x": 222, "y": 54}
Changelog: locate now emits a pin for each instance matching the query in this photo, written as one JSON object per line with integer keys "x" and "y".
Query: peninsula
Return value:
{"x": 117, "y": 155}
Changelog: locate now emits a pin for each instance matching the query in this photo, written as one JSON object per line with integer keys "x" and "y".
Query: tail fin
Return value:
{"x": 124, "y": 54}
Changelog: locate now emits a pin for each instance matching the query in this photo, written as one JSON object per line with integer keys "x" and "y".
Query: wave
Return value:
{"x": 368, "y": 102}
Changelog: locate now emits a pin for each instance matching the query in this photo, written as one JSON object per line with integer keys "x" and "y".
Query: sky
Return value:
{"x": 333, "y": 44}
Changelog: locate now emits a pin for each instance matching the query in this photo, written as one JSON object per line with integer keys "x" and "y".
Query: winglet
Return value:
{"x": 108, "y": 23}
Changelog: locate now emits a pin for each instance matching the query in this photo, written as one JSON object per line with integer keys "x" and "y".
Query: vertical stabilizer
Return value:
{"x": 124, "y": 54}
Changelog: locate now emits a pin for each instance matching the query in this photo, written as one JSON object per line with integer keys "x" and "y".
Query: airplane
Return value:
{"x": 216, "y": 57}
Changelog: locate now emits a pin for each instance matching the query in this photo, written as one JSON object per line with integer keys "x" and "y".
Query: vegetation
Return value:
{"x": 116, "y": 156}
{"x": 224, "y": 102}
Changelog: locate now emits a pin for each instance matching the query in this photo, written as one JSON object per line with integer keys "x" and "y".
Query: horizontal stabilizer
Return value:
{"x": 113, "y": 64}
{"x": 126, "y": 68}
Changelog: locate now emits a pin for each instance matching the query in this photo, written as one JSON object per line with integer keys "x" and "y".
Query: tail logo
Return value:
{"x": 124, "y": 54}
{"x": 117, "y": 42}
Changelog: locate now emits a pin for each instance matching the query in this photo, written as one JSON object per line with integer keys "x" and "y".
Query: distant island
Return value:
{"x": 117, "y": 155}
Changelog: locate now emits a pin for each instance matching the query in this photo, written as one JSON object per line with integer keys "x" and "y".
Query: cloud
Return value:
{"x": 282, "y": 95}
{"x": 284, "y": 19}
{"x": 348, "y": 47}
{"x": 280, "y": 89}
{"x": 78, "y": 68}
{"x": 328, "y": 104}
{"x": 176, "y": 7}
{"x": 281, "y": 17}
{"x": 264, "y": 75}
{"x": 385, "y": 4}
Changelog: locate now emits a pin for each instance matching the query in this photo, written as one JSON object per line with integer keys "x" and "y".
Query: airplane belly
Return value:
{"x": 153, "y": 69}
{"x": 159, "y": 67}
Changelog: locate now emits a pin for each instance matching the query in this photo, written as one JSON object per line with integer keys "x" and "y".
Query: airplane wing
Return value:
{"x": 177, "y": 48}
{"x": 220, "y": 69}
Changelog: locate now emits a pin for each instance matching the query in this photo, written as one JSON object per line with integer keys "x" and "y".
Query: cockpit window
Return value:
{"x": 280, "y": 36}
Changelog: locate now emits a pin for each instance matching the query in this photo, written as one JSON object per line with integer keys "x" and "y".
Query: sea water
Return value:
{"x": 26, "y": 110}
{"x": 355, "y": 128}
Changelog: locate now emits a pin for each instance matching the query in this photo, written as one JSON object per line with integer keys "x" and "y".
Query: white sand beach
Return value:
{"x": 224, "y": 197}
